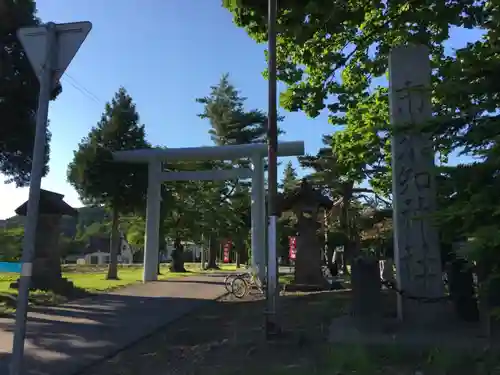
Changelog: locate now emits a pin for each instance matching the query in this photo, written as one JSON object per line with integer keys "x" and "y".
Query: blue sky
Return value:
{"x": 166, "y": 54}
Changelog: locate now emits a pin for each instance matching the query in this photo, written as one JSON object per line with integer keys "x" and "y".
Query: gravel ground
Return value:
{"x": 227, "y": 337}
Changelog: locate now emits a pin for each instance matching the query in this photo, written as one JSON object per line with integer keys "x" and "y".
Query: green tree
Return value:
{"x": 182, "y": 213}
{"x": 218, "y": 216}
{"x": 289, "y": 181}
{"x": 190, "y": 210}
{"x": 358, "y": 37}
{"x": 467, "y": 121}
{"x": 287, "y": 222}
{"x": 11, "y": 244}
{"x": 98, "y": 180}
{"x": 231, "y": 124}
{"x": 70, "y": 246}
{"x": 19, "y": 88}
{"x": 239, "y": 222}
{"x": 95, "y": 230}
{"x": 135, "y": 230}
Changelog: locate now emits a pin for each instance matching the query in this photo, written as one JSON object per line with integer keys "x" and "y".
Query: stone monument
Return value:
{"x": 305, "y": 202}
{"x": 366, "y": 305}
{"x": 47, "y": 262}
{"x": 416, "y": 243}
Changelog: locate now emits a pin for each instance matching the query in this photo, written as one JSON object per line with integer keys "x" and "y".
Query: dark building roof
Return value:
{"x": 100, "y": 243}
{"x": 50, "y": 204}
{"x": 96, "y": 244}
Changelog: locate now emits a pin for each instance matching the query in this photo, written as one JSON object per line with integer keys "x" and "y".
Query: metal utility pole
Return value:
{"x": 272, "y": 328}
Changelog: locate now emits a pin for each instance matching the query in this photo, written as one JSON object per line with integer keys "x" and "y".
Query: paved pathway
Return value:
{"x": 66, "y": 339}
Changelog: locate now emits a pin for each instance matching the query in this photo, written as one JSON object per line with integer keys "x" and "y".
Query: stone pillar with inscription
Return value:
{"x": 416, "y": 243}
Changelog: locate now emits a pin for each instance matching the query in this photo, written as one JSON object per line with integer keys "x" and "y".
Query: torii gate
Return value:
{"x": 155, "y": 156}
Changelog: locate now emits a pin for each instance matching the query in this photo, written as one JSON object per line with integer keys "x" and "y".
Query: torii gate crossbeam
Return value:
{"x": 155, "y": 156}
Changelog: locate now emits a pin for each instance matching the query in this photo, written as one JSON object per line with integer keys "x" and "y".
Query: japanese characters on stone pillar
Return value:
{"x": 416, "y": 247}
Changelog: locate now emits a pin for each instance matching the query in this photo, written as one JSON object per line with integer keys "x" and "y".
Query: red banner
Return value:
{"x": 292, "y": 244}
{"x": 227, "y": 250}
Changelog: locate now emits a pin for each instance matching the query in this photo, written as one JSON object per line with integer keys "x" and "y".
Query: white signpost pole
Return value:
{"x": 49, "y": 60}
{"x": 34, "y": 197}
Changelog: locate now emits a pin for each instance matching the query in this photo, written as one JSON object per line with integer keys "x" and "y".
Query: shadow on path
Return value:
{"x": 66, "y": 339}
{"x": 192, "y": 281}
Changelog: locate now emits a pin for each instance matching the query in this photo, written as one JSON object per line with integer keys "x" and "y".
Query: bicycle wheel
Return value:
{"x": 228, "y": 281}
{"x": 239, "y": 287}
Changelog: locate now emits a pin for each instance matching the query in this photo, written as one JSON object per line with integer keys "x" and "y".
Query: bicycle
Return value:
{"x": 228, "y": 280}
{"x": 243, "y": 283}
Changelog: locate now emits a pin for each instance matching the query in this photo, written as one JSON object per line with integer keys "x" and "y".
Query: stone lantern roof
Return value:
{"x": 304, "y": 195}
{"x": 51, "y": 203}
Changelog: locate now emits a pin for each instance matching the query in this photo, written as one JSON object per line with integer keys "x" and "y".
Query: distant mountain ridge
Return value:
{"x": 69, "y": 225}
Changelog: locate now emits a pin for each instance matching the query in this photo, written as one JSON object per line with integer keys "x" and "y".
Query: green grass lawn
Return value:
{"x": 93, "y": 279}
{"x": 286, "y": 279}
{"x": 96, "y": 281}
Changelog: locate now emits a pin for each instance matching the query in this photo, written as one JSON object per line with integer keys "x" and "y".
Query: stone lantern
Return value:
{"x": 305, "y": 202}
{"x": 47, "y": 261}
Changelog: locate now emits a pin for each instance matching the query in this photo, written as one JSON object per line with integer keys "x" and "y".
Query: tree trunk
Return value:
{"x": 158, "y": 270}
{"x": 330, "y": 251}
{"x": 483, "y": 271}
{"x": 244, "y": 258}
{"x": 240, "y": 250}
{"x": 333, "y": 261}
{"x": 178, "y": 257}
{"x": 114, "y": 246}
{"x": 212, "y": 253}
{"x": 162, "y": 234}
{"x": 349, "y": 247}
{"x": 202, "y": 252}
{"x": 462, "y": 291}
{"x": 327, "y": 254}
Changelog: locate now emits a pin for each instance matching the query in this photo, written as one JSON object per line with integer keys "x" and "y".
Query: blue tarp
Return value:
{"x": 10, "y": 267}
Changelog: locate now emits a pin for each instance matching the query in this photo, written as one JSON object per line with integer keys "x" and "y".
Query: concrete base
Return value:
{"x": 61, "y": 286}
{"x": 307, "y": 288}
{"x": 293, "y": 287}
